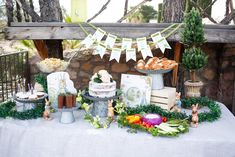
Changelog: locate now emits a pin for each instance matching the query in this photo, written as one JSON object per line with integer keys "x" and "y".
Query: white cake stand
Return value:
{"x": 157, "y": 77}
{"x": 67, "y": 116}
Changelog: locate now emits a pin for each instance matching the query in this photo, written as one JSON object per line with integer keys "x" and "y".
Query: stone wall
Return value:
{"x": 217, "y": 76}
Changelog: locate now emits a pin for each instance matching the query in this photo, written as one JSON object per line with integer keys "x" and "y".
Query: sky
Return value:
{"x": 115, "y": 9}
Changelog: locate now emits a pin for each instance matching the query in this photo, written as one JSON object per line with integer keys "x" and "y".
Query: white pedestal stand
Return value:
{"x": 67, "y": 116}
{"x": 157, "y": 77}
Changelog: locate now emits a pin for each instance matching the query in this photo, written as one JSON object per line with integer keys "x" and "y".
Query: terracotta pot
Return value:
{"x": 74, "y": 100}
{"x": 69, "y": 101}
{"x": 193, "y": 88}
{"x": 61, "y": 101}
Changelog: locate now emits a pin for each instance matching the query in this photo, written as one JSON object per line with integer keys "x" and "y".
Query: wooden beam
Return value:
{"x": 55, "y": 30}
{"x": 177, "y": 51}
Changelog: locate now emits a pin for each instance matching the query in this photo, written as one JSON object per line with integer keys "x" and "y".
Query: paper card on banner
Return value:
{"x": 146, "y": 52}
{"x": 126, "y": 43}
{"x": 100, "y": 49}
{"x": 156, "y": 37}
{"x": 130, "y": 54}
{"x": 110, "y": 40}
{"x": 88, "y": 41}
{"x": 163, "y": 44}
{"x": 115, "y": 54}
{"x": 141, "y": 43}
{"x": 99, "y": 34}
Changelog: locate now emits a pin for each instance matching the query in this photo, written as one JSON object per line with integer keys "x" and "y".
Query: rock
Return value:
{"x": 119, "y": 67}
{"x": 229, "y": 52}
{"x": 87, "y": 66}
{"x": 84, "y": 74}
{"x": 209, "y": 74}
{"x": 73, "y": 75}
{"x": 225, "y": 64}
{"x": 228, "y": 76}
{"x": 98, "y": 68}
{"x": 75, "y": 64}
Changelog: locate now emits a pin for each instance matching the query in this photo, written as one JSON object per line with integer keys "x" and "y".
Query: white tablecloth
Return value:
{"x": 39, "y": 138}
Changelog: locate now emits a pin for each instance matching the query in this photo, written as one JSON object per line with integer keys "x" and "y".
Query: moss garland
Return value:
{"x": 212, "y": 115}
{"x": 8, "y": 109}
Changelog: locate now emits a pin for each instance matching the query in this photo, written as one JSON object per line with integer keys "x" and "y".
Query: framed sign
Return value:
{"x": 136, "y": 89}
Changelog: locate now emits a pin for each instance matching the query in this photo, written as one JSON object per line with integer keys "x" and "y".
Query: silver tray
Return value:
{"x": 88, "y": 96}
{"x": 153, "y": 71}
{"x": 38, "y": 100}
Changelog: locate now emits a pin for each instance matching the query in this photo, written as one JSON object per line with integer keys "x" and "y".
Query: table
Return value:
{"x": 39, "y": 138}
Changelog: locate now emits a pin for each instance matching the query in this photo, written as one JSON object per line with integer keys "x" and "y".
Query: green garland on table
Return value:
{"x": 8, "y": 109}
{"x": 212, "y": 115}
{"x": 179, "y": 121}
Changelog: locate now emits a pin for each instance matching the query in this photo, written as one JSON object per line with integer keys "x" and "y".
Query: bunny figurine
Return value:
{"x": 110, "y": 109}
{"x": 194, "y": 122}
{"x": 46, "y": 113}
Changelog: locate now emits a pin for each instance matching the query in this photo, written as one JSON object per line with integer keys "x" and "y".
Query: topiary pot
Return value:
{"x": 193, "y": 88}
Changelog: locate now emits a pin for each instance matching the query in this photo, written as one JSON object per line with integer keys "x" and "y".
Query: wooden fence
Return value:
{"x": 13, "y": 70}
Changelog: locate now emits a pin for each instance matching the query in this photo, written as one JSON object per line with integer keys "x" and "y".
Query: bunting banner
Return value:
{"x": 163, "y": 44}
{"x": 88, "y": 41}
{"x": 110, "y": 41}
{"x": 100, "y": 50}
{"x": 115, "y": 54}
{"x": 130, "y": 54}
{"x": 146, "y": 52}
{"x": 156, "y": 37}
{"x": 126, "y": 43}
{"x": 98, "y": 35}
{"x": 141, "y": 43}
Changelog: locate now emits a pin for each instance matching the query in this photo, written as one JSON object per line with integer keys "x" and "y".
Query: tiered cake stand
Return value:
{"x": 157, "y": 77}
{"x": 100, "y": 105}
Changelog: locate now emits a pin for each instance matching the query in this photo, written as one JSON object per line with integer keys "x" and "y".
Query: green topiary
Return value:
{"x": 194, "y": 59}
{"x": 193, "y": 32}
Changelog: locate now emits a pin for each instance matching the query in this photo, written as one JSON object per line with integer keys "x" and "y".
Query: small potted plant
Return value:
{"x": 69, "y": 100}
{"x": 193, "y": 58}
{"x": 61, "y": 100}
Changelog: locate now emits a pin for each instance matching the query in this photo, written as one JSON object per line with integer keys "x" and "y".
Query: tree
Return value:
{"x": 51, "y": 12}
{"x": 148, "y": 13}
{"x": 193, "y": 32}
{"x": 173, "y": 10}
{"x": 144, "y": 14}
{"x": 192, "y": 37}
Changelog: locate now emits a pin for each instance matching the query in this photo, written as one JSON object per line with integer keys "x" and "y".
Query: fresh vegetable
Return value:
{"x": 152, "y": 119}
{"x": 134, "y": 119}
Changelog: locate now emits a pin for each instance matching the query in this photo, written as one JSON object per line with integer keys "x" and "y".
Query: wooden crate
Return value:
{"x": 164, "y": 98}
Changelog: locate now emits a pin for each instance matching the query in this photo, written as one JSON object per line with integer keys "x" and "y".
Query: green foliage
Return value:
{"x": 8, "y": 109}
{"x": 193, "y": 32}
{"x": 148, "y": 13}
{"x": 212, "y": 115}
{"x": 194, "y": 58}
{"x": 69, "y": 44}
{"x": 144, "y": 14}
{"x": 41, "y": 79}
